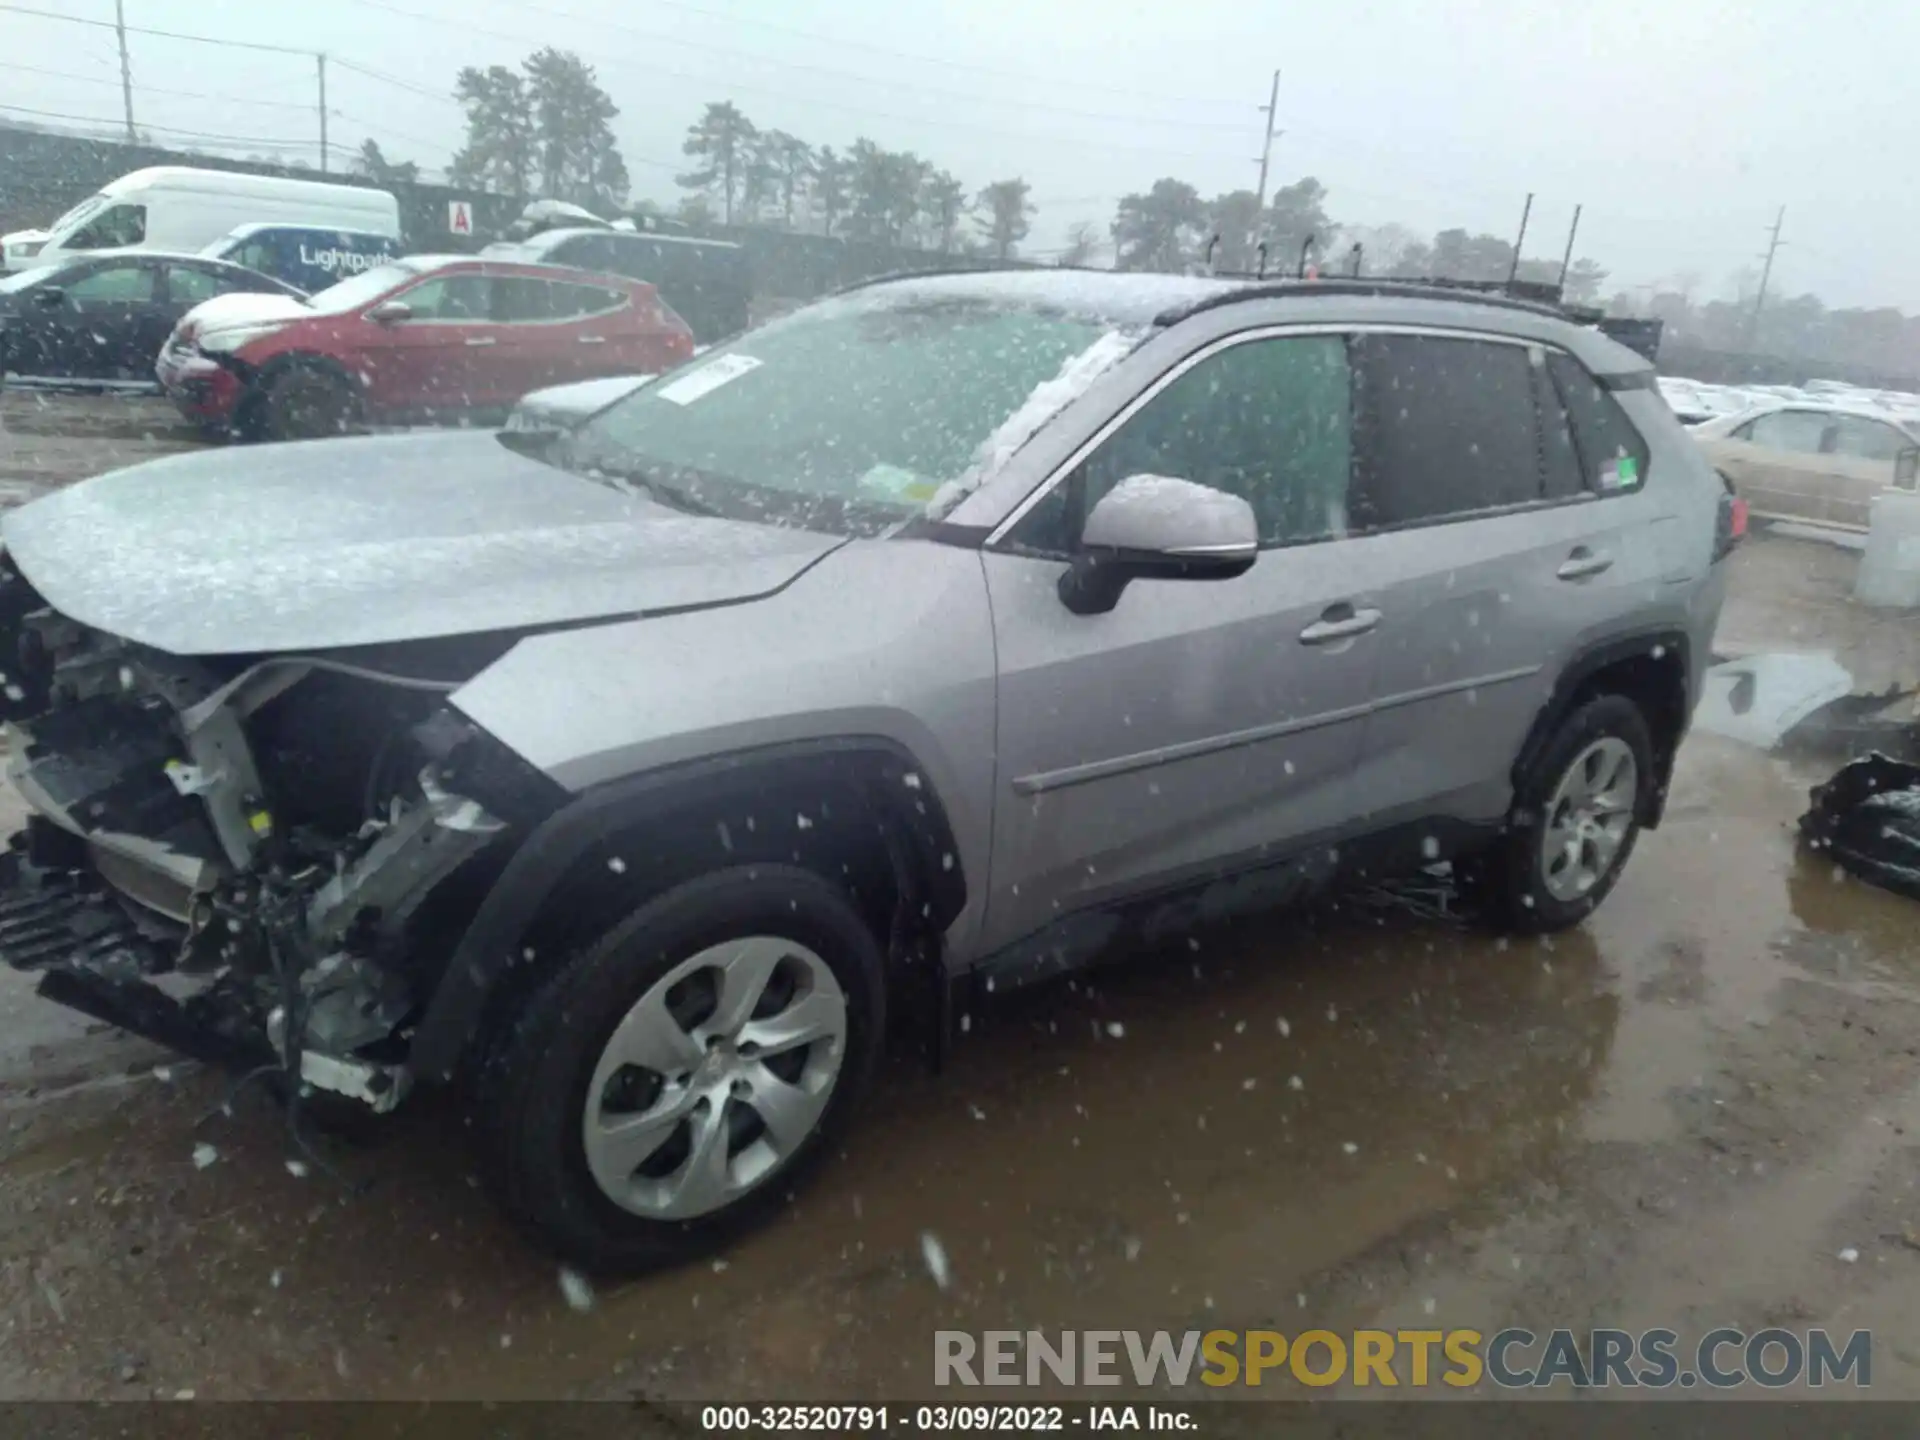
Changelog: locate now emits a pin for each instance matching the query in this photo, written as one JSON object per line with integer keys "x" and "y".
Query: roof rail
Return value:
{"x": 985, "y": 267}
{"x": 1484, "y": 292}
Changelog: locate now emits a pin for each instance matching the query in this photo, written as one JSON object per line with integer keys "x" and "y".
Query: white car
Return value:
{"x": 1814, "y": 462}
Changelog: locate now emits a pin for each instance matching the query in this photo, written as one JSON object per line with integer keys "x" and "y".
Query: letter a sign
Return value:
{"x": 460, "y": 217}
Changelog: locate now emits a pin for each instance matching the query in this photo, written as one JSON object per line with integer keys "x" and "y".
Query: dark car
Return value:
{"x": 105, "y": 317}
{"x": 430, "y": 337}
{"x": 707, "y": 282}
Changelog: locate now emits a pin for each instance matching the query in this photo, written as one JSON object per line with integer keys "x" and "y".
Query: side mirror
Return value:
{"x": 390, "y": 312}
{"x": 1156, "y": 527}
{"x": 49, "y": 297}
{"x": 1906, "y": 468}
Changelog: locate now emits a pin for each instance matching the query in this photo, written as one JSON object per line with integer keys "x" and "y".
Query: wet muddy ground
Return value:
{"x": 1682, "y": 1114}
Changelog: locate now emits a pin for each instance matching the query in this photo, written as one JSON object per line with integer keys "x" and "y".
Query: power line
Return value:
{"x": 164, "y": 129}
{"x": 374, "y": 74}
{"x": 1028, "y": 137}
{"x": 841, "y": 42}
{"x": 156, "y": 89}
{"x": 164, "y": 34}
{"x": 656, "y": 37}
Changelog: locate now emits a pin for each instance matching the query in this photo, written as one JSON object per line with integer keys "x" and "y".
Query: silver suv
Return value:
{"x": 934, "y": 637}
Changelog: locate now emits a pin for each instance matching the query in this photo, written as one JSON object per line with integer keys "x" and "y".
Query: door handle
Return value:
{"x": 1582, "y": 563}
{"x": 481, "y": 340}
{"x": 1339, "y": 622}
{"x": 593, "y": 339}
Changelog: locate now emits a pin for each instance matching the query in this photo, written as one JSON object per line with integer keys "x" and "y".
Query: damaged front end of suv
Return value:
{"x": 255, "y": 861}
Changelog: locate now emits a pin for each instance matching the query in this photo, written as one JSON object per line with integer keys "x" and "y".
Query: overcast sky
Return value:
{"x": 1680, "y": 124}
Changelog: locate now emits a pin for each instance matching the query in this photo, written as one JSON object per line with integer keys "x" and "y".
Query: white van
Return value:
{"x": 173, "y": 207}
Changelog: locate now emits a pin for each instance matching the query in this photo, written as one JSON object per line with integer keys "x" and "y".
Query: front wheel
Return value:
{"x": 305, "y": 402}
{"x": 1575, "y": 819}
{"x": 667, "y": 1090}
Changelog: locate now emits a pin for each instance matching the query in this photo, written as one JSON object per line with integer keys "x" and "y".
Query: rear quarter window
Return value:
{"x": 1613, "y": 454}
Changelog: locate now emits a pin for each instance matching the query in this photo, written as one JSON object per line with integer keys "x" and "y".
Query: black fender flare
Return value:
{"x": 1585, "y": 665}
{"x": 921, "y": 846}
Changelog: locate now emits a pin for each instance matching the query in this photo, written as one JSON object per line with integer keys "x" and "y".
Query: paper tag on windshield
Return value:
{"x": 897, "y": 484}
{"x": 708, "y": 378}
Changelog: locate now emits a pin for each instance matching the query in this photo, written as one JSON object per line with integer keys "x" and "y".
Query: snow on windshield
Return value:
{"x": 1048, "y": 399}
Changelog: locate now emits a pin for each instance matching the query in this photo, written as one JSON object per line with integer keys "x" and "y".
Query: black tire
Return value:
{"x": 531, "y": 1092}
{"x": 1509, "y": 883}
{"x": 305, "y": 402}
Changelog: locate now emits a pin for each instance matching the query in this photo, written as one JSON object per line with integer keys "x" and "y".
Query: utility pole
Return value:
{"x": 1566, "y": 260}
{"x": 1766, "y": 274}
{"x": 1266, "y": 149}
{"x": 1266, "y": 152}
{"x": 126, "y": 70}
{"x": 1513, "y": 270}
{"x": 321, "y": 59}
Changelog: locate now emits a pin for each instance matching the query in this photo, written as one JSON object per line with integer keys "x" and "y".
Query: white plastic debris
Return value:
{"x": 1849, "y": 1254}
{"x": 935, "y": 1254}
{"x": 204, "y": 1155}
{"x": 577, "y": 1289}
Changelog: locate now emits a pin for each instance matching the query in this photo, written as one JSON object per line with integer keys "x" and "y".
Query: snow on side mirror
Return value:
{"x": 390, "y": 312}
{"x": 1158, "y": 527}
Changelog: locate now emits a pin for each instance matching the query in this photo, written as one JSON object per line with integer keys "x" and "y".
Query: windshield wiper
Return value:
{"x": 637, "y": 478}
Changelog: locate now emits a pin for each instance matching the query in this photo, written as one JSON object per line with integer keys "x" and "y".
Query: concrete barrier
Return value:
{"x": 1889, "y": 574}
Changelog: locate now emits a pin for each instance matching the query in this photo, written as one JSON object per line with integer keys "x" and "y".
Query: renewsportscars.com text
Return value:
{"x": 1511, "y": 1359}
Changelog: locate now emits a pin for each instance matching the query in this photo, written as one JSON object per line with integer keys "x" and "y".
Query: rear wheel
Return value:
{"x": 1576, "y": 817}
{"x": 305, "y": 402}
{"x": 668, "y": 1089}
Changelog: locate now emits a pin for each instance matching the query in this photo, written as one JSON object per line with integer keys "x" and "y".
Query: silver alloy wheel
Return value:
{"x": 683, "y": 1116}
{"x": 1589, "y": 818}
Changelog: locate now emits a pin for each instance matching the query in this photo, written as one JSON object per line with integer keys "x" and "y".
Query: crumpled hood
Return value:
{"x": 227, "y": 312}
{"x": 329, "y": 543}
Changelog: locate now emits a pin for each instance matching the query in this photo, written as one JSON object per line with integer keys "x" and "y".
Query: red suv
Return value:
{"x": 425, "y": 338}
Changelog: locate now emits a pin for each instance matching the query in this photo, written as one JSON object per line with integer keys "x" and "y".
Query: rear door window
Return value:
{"x": 1864, "y": 438}
{"x": 114, "y": 285}
{"x": 1450, "y": 425}
{"x": 1613, "y": 455}
{"x": 189, "y": 284}
{"x": 574, "y": 300}
{"x": 524, "y": 299}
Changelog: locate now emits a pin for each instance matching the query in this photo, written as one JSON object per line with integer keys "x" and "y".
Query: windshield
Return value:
{"x": 357, "y": 290}
{"x": 78, "y": 213}
{"x": 852, "y": 409}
